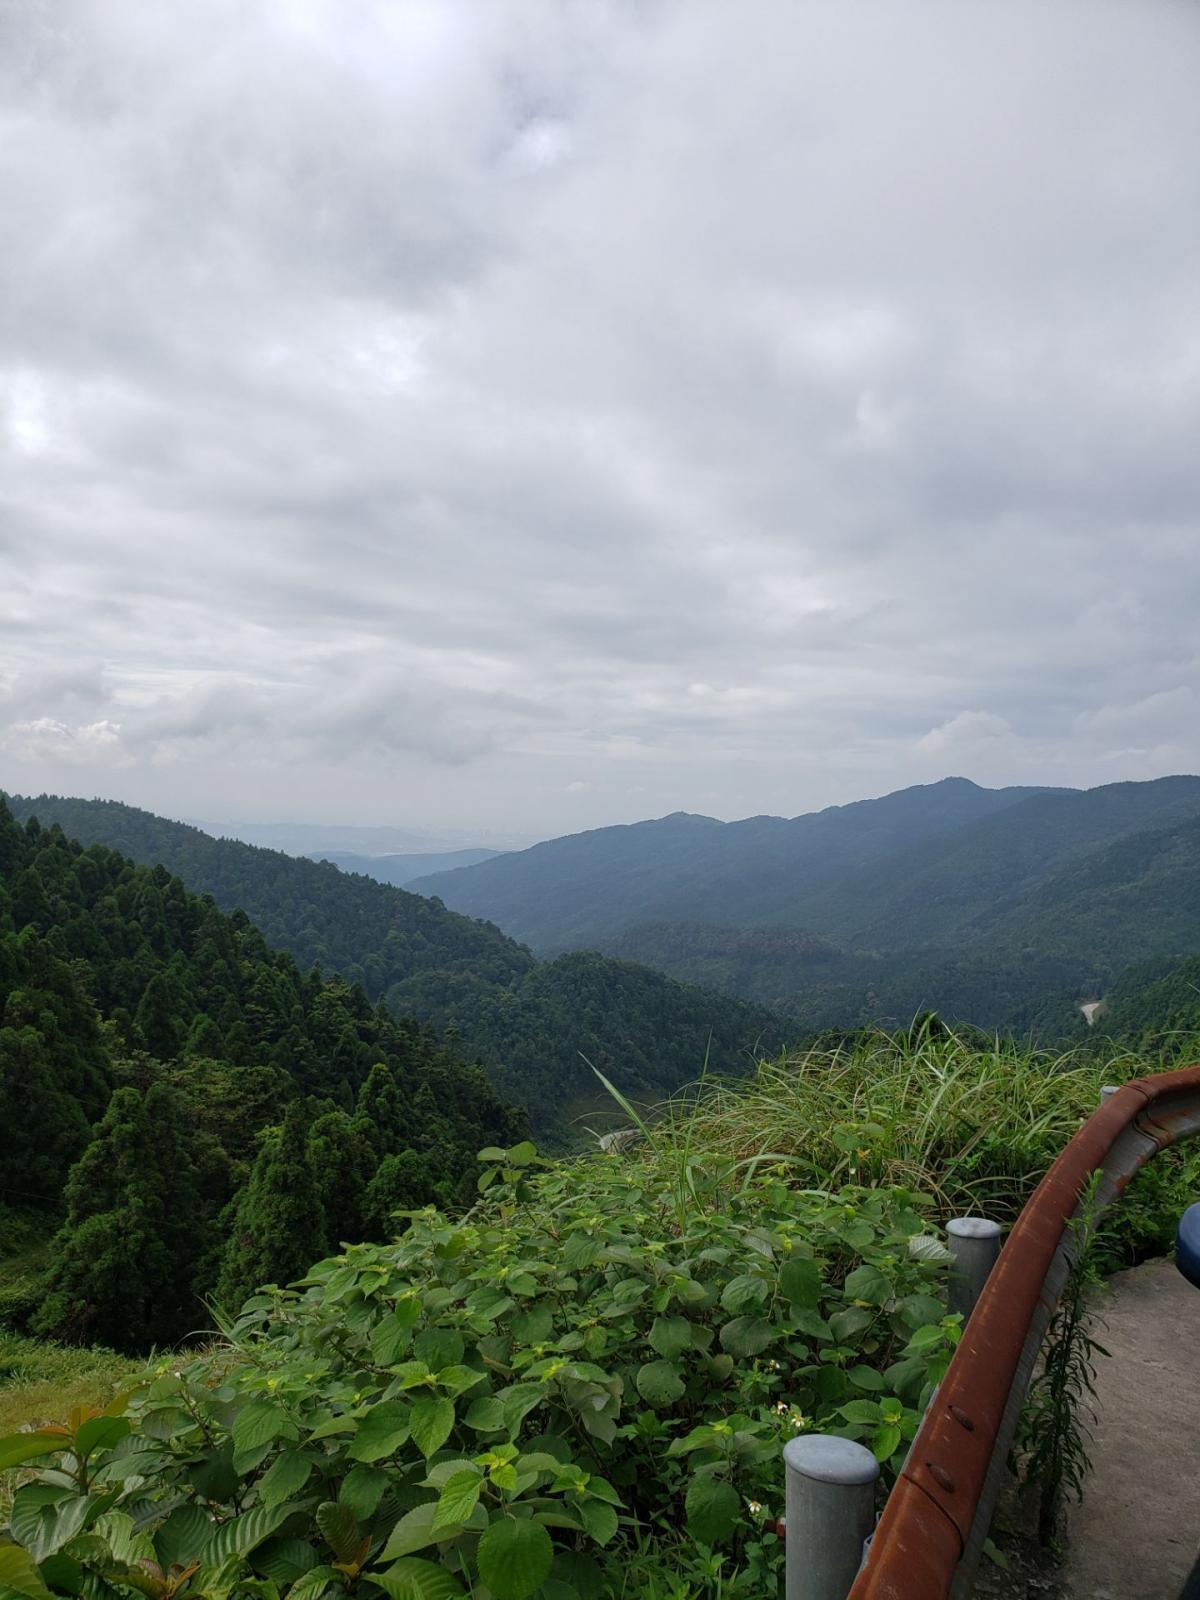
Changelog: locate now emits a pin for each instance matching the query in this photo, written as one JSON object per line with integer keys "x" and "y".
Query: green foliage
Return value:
{"x": 518, "y": 1399}
{"x": 530, "y": 1023}
{"x": 278, "y": 1227}
{"x": 114, "y": 981}
{"x": 126, "y": 1261}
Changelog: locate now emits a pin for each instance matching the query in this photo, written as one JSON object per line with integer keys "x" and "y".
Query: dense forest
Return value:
{"x": 978, "y": 904}
{"x": 535, "y": 1026}
{"x": 195, "y": 1112}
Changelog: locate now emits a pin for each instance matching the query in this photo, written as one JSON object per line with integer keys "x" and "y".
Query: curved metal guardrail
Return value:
{"x": 930, "y": 1537}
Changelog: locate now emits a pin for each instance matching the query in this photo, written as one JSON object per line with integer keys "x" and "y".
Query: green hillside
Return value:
{"x": 531, "y": 1024}
{"x": 581, "y": 890}
{"x": 147, "y": 1041}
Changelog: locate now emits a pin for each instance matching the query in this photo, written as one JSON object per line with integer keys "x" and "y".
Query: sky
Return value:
{"x": 504, "y": 419}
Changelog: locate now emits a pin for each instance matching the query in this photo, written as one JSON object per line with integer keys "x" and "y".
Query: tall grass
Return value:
{"x": 971, "y": 1123}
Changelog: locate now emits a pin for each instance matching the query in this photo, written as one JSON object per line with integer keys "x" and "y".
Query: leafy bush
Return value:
{"x": 599, "y": 1353}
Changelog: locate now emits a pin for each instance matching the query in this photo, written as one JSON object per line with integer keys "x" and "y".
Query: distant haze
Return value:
{"x": 490, "y": 421}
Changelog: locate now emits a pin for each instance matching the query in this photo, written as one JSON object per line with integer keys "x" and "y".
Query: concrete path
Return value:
{"x": 1138, "y": 1530}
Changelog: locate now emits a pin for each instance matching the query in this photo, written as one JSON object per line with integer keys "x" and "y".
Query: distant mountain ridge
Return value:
{"x": 399, "y": 869}
{"x": 534, "y": 1025}
{"x": 972, "y": 902}
{"x": 579, "y": 890}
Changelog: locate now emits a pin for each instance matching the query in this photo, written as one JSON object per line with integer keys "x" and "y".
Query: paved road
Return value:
{"x": 1138, "y": 1530}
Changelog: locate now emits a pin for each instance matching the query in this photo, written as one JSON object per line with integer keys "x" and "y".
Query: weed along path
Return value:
{"x": 1138, "y": 1530}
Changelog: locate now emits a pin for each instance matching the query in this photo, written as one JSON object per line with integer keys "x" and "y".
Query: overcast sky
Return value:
{"x": 524, "y": 415}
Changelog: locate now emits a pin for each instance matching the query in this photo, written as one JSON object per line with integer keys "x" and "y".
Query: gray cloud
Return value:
{"x": 541, "y": 415}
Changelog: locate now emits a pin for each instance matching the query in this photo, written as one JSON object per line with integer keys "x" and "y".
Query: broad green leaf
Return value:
{"x": 927, "y": 1247}
{"x": 843, "y": 1325}
{"x": 863, "y": 1377}
{"x": 869, "y": 1284}
{"x": 916, "y": 1310}
{"x": 518, "y": 1401}
{"x": 381, "y": 1432}
{"x": 19, "y": 1447}
{"x": 885, "y": 1442}
{"x": 431, "y": 1421}
{"x": 390, "y": 1340}
{"x": 286, "y": 1475}
{"x": 240, "y": 1535}
{"x": 746, "y": 1336}
{"x": 341, "y": 1530}
{"x": 19, "y": 1573}
{"x": 515, "y": 1556}
{"x": 285, "y": 1561}
{"x": 925, "y": 1339}
{"x": 800, "y": 1282}
{"x": 486, "y": 1415}
{"x": 183, "y": 1535}
{"x": 415, "y": 1530}
{"x": 670, "y": 1336}
{"x": 742, "y": 1293}
{"x": 316, "y": 1583}
{"x": 459, "y": 1495}
{"x": 362, "y": 1489}
{"x": 413, "y": 1579}
{"x": 659, "y": 1383}
{"x": 457, "y": 1380}
{"x": 100, "y": 1433}
{"x": 861, "y": 1411}
{"x": 600, "y": 1520}
{"x": 261, "y": 1422}
{"x": 438, "y": 1347}
{"x": 533, "y": 1326}
{"x": 712, "y": 1509}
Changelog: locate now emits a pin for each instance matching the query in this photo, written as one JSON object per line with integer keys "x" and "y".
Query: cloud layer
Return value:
{"x": 535, "y": 415}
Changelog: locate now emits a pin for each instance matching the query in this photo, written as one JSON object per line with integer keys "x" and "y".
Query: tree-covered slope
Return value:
{"x": 531, "y": 1024}
{"x": 583, "y": 889}
{"x": 146, "y": 1039}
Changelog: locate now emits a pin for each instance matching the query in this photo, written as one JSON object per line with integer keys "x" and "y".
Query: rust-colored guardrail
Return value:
{"x": 930, "y": 1537}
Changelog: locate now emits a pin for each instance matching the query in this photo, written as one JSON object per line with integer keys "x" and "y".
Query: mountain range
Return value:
{"x": 398, "y": 868}
{"x": 535, "y": 1025}
{"x": 971, "y": 901}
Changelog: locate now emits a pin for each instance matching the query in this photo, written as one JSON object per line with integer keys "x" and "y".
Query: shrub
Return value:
{"x": 599, "y": 1353}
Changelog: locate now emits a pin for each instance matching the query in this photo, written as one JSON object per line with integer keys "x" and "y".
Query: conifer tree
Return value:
{"x": 344, "y": 1163}
{"x": 278, "y": 1229}
{"x": 380, "y": 1110}
{"x": 126, "y": 1259}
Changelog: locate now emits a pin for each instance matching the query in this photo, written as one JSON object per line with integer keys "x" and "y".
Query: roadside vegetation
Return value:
{"x": 580, "y": 1388}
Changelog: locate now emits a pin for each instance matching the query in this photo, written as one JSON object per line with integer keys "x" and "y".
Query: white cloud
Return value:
{"x": 413, "y": 413}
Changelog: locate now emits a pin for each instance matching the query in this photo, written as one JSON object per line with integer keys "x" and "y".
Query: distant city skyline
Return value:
{"x": 507, "y": 420}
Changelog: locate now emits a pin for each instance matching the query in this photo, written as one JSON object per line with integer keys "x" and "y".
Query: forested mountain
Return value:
{"x": 532, "y": 1024}
{"x": 1155, "y": 1006}
{"x": 399, "y": 869}
{"x": 984, "y": 907}
{"x": 914, "y": 868}
{"x": 577, "y": 891}
{"x": 146, "y": 1039}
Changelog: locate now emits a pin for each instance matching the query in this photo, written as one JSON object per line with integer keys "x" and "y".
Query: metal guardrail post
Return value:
{"x": 830, "y": 1513}
{"x": 974, "y": 1245}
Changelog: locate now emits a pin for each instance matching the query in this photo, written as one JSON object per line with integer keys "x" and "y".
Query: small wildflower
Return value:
{"x": 754, "y": 1507}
